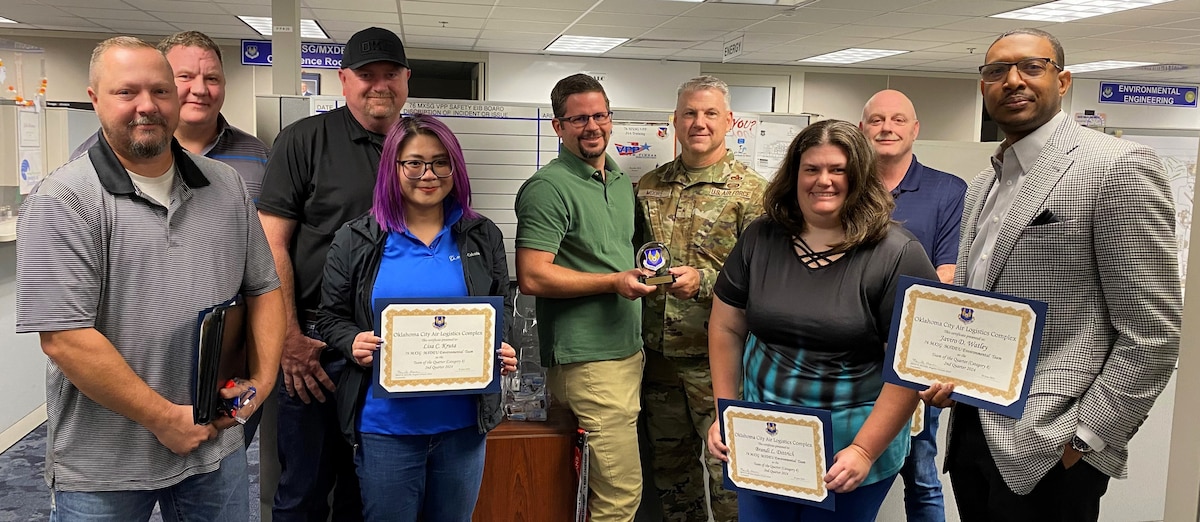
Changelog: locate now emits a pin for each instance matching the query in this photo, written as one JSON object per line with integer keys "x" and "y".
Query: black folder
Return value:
{"x": 220, "y": 355}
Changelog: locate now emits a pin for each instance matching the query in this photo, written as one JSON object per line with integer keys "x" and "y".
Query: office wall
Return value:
{"x": 22, "y": 383}
{"x": 67, "y": 61}
{"x": 636, "y": 84}
{"x": 945, "y": 106}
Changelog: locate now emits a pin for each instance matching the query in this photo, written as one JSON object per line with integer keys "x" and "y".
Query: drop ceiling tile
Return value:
{"x": 595, "y": 18}
{"x": 633, "y": 8}
{"x": 525, "y": 14}
{"x": 435, "y": 21}
{"x": 177, "y": 7}
{"x": 379, "y": 6}
{"x": 443, "y": 9}
{"x": 968, "y": 7}
{"x": 185, "y": 18}
{"x": 607, "y": 31}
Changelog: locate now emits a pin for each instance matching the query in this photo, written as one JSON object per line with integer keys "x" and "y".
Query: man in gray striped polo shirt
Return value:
{"x": 117, "y": 253}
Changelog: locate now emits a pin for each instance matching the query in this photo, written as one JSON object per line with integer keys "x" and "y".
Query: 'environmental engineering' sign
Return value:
{"x": 1148, "y": 94}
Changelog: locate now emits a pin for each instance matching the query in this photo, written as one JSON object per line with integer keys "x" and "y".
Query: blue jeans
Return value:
{"x": 223, "y": 494}
{"x": 922, "y": 483}
{"x": 860, "y": 505}
{"x": 406, "y": 478}
{"x": 314, "y": 457}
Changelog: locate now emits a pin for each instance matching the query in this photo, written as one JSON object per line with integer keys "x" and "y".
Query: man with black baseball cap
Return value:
{"x": 320, "y": 175}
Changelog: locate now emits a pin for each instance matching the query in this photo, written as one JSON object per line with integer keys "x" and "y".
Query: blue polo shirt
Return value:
{"x": 929, "y": 203}
{"x": 410, "y": 268}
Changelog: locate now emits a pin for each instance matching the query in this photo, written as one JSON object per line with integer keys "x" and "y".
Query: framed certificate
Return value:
{"x": 437, "y": 346}
{"x": 985, "y": 343}
{"x": 777, "y": 451}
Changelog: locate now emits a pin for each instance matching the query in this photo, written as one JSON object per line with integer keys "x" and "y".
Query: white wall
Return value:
{"x": 67, "y": 62}
{"x": 22, "y": 382}
{"x": 635, "y": 84}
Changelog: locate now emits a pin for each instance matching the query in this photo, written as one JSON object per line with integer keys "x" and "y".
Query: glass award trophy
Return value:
{"x": 655, "y": 257}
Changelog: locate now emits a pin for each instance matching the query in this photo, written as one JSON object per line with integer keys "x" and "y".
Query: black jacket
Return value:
{"x": 350, "y": 269}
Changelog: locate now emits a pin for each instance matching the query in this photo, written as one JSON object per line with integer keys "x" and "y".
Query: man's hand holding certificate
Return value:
{"x": 984, "y": 344}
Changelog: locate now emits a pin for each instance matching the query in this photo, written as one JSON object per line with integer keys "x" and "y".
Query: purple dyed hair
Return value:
{"x": 388, "y": 206}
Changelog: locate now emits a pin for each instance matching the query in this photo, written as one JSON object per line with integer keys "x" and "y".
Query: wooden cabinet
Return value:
{"x": 529, "y": 475}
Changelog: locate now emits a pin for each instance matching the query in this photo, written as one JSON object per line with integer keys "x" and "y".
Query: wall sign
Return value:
{"x": 1159, "y": 95}
{"x": 312, "y": 55}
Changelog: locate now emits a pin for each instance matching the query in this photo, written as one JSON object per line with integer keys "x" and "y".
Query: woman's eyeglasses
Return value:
{"x": 415, "y": 169}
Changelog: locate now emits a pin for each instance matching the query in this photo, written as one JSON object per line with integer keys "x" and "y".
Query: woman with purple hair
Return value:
{"x": 417, "y": 458}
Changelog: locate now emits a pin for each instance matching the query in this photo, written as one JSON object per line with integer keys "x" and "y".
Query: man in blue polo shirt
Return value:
{"x": 929, "y": 204}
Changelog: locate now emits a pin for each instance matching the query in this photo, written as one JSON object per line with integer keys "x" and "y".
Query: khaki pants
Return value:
{"x": 606, "y": 398}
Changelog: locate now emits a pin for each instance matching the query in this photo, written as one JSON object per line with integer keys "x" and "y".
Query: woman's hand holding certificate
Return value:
{"x": 436, "y": 346}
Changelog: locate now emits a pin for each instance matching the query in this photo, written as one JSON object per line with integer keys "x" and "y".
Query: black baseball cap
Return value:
{"x": 373, "y": 44}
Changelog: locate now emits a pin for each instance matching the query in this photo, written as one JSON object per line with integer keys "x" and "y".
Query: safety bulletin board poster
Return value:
{"x": 641, "y": 147}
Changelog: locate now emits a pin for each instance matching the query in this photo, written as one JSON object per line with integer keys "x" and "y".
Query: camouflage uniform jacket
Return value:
{"x": 699, "y": 215}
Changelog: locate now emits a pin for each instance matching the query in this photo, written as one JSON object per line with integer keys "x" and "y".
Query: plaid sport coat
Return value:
{"x": 1106, "y": 266}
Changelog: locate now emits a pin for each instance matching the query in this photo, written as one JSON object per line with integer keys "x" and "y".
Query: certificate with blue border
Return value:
{"x": 437, "y": 346}
{"x": 777, "y": 451}
{"x": 985, "y": 343}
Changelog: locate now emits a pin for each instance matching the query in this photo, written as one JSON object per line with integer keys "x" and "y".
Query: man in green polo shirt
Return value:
{"x": 575, "y": 253}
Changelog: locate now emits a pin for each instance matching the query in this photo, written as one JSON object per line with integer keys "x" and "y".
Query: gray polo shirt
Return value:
{"x": 94, "y": 252}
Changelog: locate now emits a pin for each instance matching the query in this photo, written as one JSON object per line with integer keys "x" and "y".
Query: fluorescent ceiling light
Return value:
{"x": 584, "y": 44}
{"x": 262, "y": 24}
{"x": 1068, "y": 10}
{"x": 1105, "y": 65}
{"x": 852, "y": 56}
{"x": 4, "y": 20}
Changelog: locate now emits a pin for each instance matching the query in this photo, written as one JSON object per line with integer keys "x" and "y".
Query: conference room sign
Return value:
{"x": 1152, "y": 94}
{"x": 312, "y": 55}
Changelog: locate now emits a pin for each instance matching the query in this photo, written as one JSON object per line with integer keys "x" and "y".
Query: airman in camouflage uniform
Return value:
{"x": 698, "y": 205}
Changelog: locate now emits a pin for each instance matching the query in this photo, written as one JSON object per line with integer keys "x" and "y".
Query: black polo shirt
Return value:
{"x": 321, "y": 173}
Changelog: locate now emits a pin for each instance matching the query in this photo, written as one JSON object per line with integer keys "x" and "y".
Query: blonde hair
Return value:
{"x": 122, "y": 42}
{"x": 190, "y": 39}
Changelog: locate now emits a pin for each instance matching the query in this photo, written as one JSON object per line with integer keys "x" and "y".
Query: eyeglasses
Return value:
{"x": 415, "y": 169}
{"x": 1029, "y": 69}
{"x": 582, "y": 120}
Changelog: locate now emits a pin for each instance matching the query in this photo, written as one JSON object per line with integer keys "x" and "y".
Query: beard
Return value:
{"x": 381, "y": 106}
{"x": 148, "y": 145}
{"x": 594, "y": 153}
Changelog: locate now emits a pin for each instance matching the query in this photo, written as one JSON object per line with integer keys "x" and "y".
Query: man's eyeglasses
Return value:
{"x": 1029, "y": 69}
{"x": 582, "y": 121}
{"x": 415, "y": 169}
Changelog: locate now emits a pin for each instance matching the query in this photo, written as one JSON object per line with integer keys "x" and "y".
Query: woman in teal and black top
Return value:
{"x": 417, "y": 458}
{"x": 805, "y": 303}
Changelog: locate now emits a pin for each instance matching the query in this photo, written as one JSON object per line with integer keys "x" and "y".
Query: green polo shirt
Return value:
{"x": 568, "y": 209}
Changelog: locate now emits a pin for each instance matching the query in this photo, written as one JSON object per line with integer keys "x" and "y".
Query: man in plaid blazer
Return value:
{"x": 1084, "y": 222}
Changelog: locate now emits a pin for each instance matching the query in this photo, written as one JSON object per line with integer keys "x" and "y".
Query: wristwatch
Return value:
{"x": 1079, "y": 445}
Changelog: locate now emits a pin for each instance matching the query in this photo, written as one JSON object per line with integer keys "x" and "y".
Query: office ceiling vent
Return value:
{"x": 661, "y": 43}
